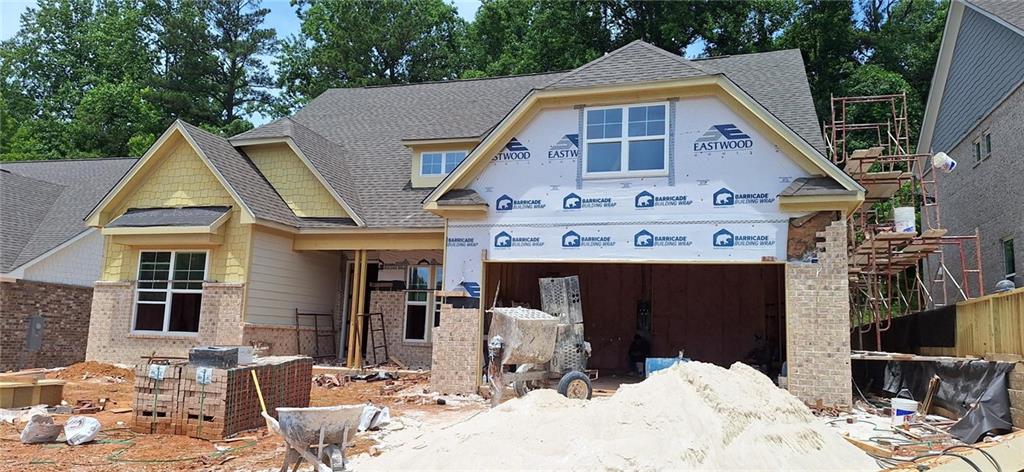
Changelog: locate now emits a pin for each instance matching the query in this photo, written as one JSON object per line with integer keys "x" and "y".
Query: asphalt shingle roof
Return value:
{"x": 1010, "y": 11}
{"x": 184, "y": 216}
{"x": 362, "y": 156}
{"x": 805, "y": 186}
{"x": 43, "y": 203}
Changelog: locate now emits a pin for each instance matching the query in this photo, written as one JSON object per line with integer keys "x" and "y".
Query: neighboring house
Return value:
{"x": 975, "y": 114}
{"x": 49, "y": 258}
{"x": 685, "y": 194}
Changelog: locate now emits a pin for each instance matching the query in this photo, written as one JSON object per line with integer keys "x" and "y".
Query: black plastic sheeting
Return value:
{"x": 975, "y": 390}
{"x": 932, "y": 328}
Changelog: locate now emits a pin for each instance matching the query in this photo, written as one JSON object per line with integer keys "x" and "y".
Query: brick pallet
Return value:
{"x": 224, "y": 402}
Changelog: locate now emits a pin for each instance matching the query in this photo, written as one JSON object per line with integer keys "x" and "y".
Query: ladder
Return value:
{"x": 374, "y": 326}
{"x": 318, "y": 334}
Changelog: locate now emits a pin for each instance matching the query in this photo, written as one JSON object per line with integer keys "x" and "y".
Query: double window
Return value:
{"x": 440, "y": 163}
{"x": 983, "y": 147}
{"x": 422, "y": 308}
{"x": 626, "y": 141}
{"x": 170, "y": 291}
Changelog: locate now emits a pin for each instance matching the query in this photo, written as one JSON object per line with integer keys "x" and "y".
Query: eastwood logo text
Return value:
{"x": 462, "y": 242}
{"x": 724, "y": 137}
{"x": 575, "y": 202}
{"x": 566, "y": 148}
{"x": 513, "y": 151}
{"x": 504, "y": 240}
{"x": 726, "y": 198}
{"x": 647, "y": 199}
{"x": 726, "y": 239}
{"x": 572, "y": 239}
{"x": 645, "y": 238}
{"x": 506, "y": 203}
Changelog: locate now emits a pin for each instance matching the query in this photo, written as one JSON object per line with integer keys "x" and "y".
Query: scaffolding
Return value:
{"x": 893, "y": 273}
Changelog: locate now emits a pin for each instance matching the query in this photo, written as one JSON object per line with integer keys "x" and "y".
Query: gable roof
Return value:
{"x": 355, "y": 137}
{"x": 43, "y": 203}
{"x": 635, "y": 62}
{"x": 1009, "y": 11}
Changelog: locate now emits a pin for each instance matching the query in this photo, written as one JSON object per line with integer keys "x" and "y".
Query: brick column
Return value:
{"x": 220, "y": 316}
{"x": 818, "y": 323}
{"x": 456, "y": 365}
{"x": 110, "y": 321}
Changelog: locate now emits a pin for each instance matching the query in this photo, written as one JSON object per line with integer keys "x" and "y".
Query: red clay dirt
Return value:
{"x": 117, "y": 448}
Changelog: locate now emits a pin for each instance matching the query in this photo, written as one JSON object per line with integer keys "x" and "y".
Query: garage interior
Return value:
{"x": 718, "y": 313}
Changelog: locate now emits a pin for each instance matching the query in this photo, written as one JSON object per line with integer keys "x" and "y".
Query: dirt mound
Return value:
{"x": 692, "y": 416}
{"x": 90, "y": 369}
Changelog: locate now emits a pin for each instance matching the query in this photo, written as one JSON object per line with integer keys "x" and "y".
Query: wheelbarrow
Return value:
{"x": 317, "y": 435}
{"x": 532, "y": 349}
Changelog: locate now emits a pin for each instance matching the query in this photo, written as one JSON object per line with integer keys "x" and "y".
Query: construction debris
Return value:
{"x": 692, "y": 415}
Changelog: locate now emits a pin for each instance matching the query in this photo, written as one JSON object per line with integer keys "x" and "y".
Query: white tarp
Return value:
{"x": 718, "y": 203}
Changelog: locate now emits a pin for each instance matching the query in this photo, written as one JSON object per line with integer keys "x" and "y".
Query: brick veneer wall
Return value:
{"x": 65, "y": 310}
{"x": 280, "y": 340}
{"x": 392, "y": 305}
{"x": 111, "y": 340}
{"x": 817, "y": 323}
{"x": 457, "y": 341}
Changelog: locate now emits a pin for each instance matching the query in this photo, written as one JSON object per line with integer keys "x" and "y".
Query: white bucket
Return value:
{"x": 905, "y": 220}
{"x": 943, "y": 162}
{"x": 903, "y": 411}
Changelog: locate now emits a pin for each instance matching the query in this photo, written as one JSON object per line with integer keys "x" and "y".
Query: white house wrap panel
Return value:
{"x": 717, "y": 203}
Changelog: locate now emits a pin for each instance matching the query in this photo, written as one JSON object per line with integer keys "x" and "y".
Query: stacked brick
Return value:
{"x": 215, "y": 403}
{"x": 456, "y": 366}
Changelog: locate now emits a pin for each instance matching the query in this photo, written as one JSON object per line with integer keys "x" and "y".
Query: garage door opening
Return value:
{"x": 718, "y": 313}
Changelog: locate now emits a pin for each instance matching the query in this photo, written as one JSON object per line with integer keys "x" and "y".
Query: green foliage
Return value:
{"x": 104, "y": 77}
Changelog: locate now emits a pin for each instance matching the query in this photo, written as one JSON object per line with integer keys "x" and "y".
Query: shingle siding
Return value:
{"x": 988, "y": 62}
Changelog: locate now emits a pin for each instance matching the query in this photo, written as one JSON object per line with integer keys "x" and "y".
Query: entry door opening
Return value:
{"x": 718, "y": 313}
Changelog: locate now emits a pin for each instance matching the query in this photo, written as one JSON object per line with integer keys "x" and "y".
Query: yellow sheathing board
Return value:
{"x": 296, "y": 184}
{"x": 282, "y": 280}
{"x": 180, "y": 178}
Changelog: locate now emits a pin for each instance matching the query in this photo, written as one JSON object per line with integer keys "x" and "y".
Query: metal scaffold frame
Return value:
{"x": 895, "y": 273}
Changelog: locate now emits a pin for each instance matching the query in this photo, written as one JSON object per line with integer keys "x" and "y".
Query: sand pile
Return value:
{"x": 692, "y": 416}
{"x": 90, "y": 369}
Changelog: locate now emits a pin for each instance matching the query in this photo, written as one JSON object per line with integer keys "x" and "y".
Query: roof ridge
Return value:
{"x": 450, "y": 81}
{"x": 727, "y": 56}
{"x": 591, "y": 63}
{"x": 678, "y": 57}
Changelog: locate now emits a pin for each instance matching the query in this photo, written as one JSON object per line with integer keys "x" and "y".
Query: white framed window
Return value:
{"x": 626, "y": 141}
{"x": 440, "y": 162}
{"x": 422, "y": 308}
{"x": 169, "y": 293}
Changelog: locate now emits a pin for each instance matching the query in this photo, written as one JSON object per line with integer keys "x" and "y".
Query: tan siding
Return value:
{"x": 281, "y": 280}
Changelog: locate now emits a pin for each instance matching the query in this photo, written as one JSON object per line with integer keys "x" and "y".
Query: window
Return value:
{"x": 1009, "y": 262}
{"x": 170, "y": 291}
{"x": 977, "y": 151}
{"x": 626, "y": 141}
{"x": 440, "y": 163}
{"x": 987, "y": 140}
{"x": 421, "y": 306}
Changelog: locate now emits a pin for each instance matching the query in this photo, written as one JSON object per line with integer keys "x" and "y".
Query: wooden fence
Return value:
{"x": 986, "y": 325}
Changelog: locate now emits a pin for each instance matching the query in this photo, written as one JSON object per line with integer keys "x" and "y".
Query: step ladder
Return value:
{"x": 375, "y": 324}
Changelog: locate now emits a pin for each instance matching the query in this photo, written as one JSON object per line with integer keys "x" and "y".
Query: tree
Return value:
{"x": 824, "y": 32}
{"x": 345, "y": 43}
{"x": 746, "y": 27}
{"x": 669, "y": 25}
{"x": 517, "y": 36}
{"x": 182, "y": 85}
{"x": 109, "y": 116}
{"x": 242, "y": 79}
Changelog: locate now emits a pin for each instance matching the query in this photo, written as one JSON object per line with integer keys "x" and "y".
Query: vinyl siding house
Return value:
{"x": 975, "y": 114}
{"x": 692, "y": 198}
{"x": 49, "y": 258}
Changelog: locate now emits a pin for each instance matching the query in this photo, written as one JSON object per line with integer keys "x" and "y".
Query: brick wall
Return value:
{"x": 65, "y": 311}
{"x": 457, "y": 341}
{"x": 817, "y": 323}
{"x": 111, "y": 340}
{"x": 392, "y": 305}
{"x": 280, "y": 340}
{"x": 986, "y": 196}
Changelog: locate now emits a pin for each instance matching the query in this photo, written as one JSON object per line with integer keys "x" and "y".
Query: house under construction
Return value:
{"x": 897, "y": 257}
